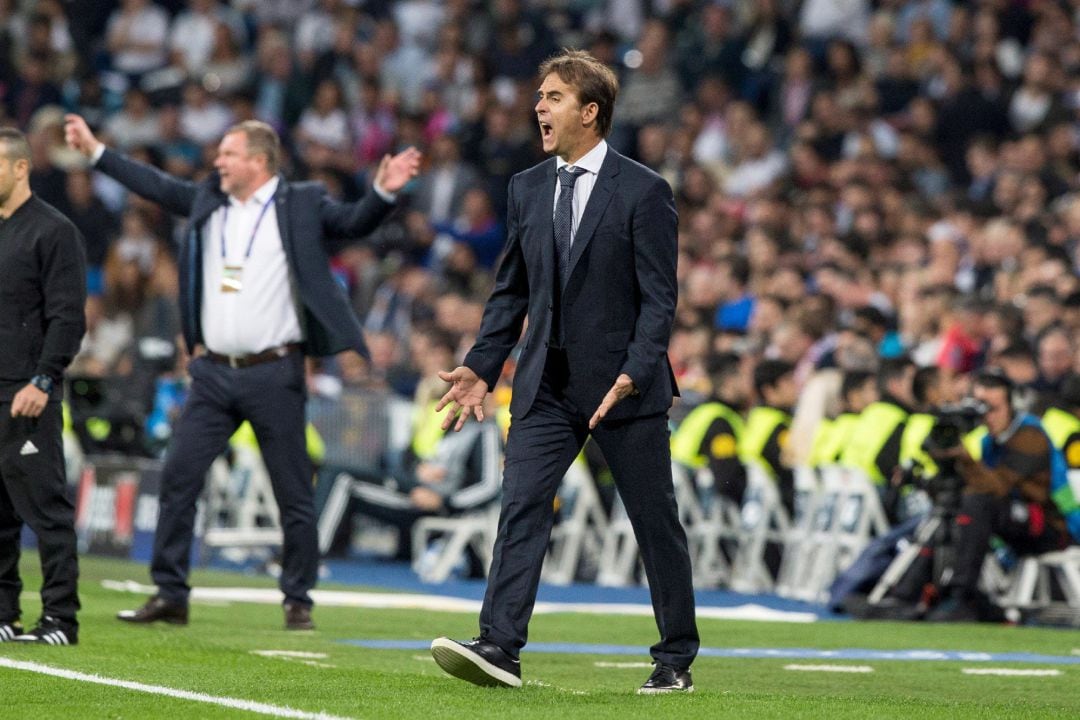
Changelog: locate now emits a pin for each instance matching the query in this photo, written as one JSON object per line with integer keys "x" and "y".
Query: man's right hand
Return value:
{"x": 78, "y": 136}
{"x": 465, "y": 397}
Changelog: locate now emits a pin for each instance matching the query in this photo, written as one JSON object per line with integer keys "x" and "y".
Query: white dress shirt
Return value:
{"x": 590, "y": 162}
{"x": 263, "y": 314}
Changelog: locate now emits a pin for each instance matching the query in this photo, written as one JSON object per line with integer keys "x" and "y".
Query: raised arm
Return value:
{"x": 175, "y": 195}
{"x": 343, "y": 222}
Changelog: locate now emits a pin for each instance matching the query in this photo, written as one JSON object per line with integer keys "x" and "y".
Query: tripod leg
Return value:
{"x": 899, "y": 567}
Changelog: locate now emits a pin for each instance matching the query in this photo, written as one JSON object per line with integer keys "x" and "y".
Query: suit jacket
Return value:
{"x": 618, "y": 302}
{"x": 313, "y": 229}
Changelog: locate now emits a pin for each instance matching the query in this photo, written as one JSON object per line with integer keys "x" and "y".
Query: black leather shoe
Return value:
{"x": 666, "y": 679}
{"x": 298, "y": 617}
{"x": 156, "y": 608}
{"x": 477, "y": 661}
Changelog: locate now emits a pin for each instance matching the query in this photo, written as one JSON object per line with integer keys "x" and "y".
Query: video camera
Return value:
{"x": 952, "y": 422}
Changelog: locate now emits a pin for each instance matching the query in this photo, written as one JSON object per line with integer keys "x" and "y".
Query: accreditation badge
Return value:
{"x": 231, "y": 279}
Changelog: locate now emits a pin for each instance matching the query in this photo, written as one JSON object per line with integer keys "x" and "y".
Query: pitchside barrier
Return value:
{"x": 838, "y": 512}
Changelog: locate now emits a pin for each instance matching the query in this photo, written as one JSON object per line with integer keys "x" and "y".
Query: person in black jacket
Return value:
{"x": 42, "y": 295}
{"x": 256, "y": 296}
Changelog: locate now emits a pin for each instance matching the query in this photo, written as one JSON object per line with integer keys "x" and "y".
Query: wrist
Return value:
{"x": 44, "y": 383}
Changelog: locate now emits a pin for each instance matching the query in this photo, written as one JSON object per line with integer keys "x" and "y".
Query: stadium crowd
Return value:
{"x": 865, "y": 188}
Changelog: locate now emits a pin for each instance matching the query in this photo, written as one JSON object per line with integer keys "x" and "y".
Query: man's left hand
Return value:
{"x": 426, "y": 499}
{"x": 28, "y": 402}
{"x": 623, "y": 387}
{"x": 394, "y": 172}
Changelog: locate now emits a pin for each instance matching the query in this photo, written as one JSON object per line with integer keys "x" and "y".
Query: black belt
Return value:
{"x": 244, "y": 361}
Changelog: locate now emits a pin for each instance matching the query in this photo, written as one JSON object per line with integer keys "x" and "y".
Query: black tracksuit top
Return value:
{"x": 42, "y": 295}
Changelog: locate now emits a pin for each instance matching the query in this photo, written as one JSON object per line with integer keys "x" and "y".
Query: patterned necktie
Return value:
{"x": 564, "y": 218}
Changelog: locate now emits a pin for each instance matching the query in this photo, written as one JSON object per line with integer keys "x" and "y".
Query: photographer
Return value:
{"x": 1007, "y": 493}
{"x": 875, "y": 441}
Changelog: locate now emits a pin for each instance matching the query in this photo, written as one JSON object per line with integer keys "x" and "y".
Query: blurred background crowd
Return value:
{"x": 856, "y": 180}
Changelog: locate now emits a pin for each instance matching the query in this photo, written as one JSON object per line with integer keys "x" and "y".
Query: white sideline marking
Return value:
{"x": 234, "y": 703}
{"x": 602, "y": 664}
{"x": 541, "y": 683}
{"x": 1010, "y": 672}
{"x": 423, "y": 658}
{"x": 832, "y": 668}
{"x": 444, "y": 603}
{"x": 291, "y": 654}
{"x": 304, "y": 658}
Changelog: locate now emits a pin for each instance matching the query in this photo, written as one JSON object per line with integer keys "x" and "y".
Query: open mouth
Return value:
{"x": 546, "y": 130}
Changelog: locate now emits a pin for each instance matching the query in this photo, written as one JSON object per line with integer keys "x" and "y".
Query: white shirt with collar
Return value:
{"x": 590, "y": 162}
{"x": 263, "y": 314}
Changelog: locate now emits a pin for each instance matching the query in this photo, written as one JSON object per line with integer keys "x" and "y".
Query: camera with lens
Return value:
{"x": 952, "y": 422}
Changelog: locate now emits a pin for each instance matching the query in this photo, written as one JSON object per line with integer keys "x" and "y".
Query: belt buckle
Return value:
{"x": 234, "y": 362}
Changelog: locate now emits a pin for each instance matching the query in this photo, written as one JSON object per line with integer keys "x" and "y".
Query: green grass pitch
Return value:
{"x": 215, "y": 655}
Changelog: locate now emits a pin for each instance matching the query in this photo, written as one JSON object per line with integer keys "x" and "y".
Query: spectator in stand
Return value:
{"x": 650, "y": 88}
{"x": 136, "y": 125}
{"x": 137, "y": 38}
{"x": 441, "y": 191}
{"x": 203, "y": 118}
{"x": 193, "y": 35}
{"x": 228, "y": 70}
{"x": 736, "y": 304}
{"x": 322, "y": 135}
{"x": 97, "y": 223}
{"x": 1055, "y": 351}
{"x": 476, "y": 228}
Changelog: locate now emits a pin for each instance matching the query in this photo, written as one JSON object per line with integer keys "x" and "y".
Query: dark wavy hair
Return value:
{"x": 594, "y": 82}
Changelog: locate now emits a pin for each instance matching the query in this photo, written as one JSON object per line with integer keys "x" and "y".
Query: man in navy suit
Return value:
{"x": 590, "y": 260}
{"x": 256, "y": 296}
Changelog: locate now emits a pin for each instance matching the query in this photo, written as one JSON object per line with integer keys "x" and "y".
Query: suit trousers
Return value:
{"x": 540, "y": 448}
{"x": 33, "y": 491}
{"x": 272, "y": 397}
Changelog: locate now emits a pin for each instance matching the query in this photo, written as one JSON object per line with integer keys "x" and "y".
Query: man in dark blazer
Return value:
{"x": 592, "y": 266}
{"x": 256, "y": 296}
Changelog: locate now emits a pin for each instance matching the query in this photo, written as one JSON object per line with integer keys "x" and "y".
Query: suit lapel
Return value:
{"x": 606, "y": 184}
{"x": 206, "y": 203}
{"x": 543, "y": 217}
{"x": 281, "y": 208}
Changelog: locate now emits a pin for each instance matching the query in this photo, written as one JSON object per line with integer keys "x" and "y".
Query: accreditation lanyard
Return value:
{"x": 232, "y": 275}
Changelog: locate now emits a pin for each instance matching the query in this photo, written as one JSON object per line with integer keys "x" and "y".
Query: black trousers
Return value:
{"x": 271, "y": 396}
{"x": 540, "y": 448}
{"x": 33, "y": 491}
{"x": 1017, "y": 523}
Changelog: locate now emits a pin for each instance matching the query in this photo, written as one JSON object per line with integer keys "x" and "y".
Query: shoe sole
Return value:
{"x": 664, "y": 691}
{"x": 135, "y": 621}
{"x": 468, "y": 666}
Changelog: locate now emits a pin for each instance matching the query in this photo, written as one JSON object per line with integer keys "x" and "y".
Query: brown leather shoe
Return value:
{"x": 156, "y": 608}
{"x": 298, "y": 617}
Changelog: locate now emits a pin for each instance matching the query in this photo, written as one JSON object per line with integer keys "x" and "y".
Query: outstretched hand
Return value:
{"x": 78, "y": 136}
{"x": 465, "y": 397}
{"x": 395, "y": 171}
{"x": 623, "y": 387}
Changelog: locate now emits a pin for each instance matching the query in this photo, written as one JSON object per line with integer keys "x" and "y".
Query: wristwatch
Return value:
{"x": 44, "y": 383}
